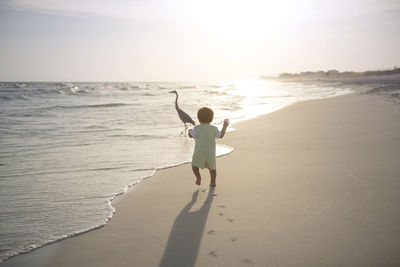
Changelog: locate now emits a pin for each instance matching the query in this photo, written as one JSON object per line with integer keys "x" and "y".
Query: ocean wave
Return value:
{"x": 63, "y": 171}
{"x": 215, "y": 92}
{"x": 12, "y": 95}
{"x": 68, "y": 89}
{"x": 129, "y": 86}
{"x": 384, "y": 89}
{"x": 39, "y": 90}
{"x": 106, "y": 105}
{"x": 187, "y": 87}
{"x": 149, "y": 94}
{"x": 27, "y": 92}
{"x": 138, "y": 136}
{"x": 13, "y": 85}
{"x": 388, "y": 92}
{"x": 210, "y": 85}
{"x": 5, "y": 97}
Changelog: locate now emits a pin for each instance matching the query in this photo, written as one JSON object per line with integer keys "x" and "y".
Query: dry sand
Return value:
{"x": 314, "y": 184}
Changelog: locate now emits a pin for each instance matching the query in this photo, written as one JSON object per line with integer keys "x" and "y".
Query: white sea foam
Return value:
{"x": 68, "y": 149}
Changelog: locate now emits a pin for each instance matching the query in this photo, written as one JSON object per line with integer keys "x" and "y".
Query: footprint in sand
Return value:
{"x": 221, "y": 206}
{"x": 221, "y": 214}
{"x": 233, "y": 239}
{"x": 213, "y": 253}
{"x": 229, "y": 220}
{"x": 248, "y": 262}
{"x": 211, "y": 232}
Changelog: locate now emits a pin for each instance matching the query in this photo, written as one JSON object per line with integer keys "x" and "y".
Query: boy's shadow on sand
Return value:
{"x": 185, "y": 237}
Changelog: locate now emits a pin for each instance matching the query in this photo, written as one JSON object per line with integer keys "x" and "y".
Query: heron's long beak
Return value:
{"x": 171, "y": 92}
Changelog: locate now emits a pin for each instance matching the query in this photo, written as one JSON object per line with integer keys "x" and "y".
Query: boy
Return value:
{"x": 204, "y": 150}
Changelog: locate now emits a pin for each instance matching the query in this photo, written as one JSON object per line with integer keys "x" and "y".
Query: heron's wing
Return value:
{"x": 185, "y": 117}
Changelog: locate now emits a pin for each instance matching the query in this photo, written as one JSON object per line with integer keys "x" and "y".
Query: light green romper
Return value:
{"x": 204, "y": 150}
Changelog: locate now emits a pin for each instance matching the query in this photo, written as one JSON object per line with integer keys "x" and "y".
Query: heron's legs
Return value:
{"x": 184, "y": 131}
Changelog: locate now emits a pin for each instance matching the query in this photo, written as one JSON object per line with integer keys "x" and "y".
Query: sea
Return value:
{"x": 68, "y": 149}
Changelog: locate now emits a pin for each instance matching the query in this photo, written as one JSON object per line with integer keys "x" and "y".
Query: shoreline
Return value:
{"x": 119, "y": 195}
{"x": 121, "y": 206}
{"x": 130, "y": 189}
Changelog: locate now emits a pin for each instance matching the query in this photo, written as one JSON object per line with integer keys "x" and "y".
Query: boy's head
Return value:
{"x": 205, "y": 115}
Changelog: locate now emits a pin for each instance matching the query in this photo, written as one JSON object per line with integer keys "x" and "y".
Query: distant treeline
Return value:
{"x": 336, "y": 74}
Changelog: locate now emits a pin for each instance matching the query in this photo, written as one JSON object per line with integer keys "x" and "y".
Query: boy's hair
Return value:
{"x": 205, "y": 115}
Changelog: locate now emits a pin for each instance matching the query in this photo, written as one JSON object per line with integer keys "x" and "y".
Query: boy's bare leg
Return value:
{"x": 197, "y": 174}
{"x": 213, "y": 174}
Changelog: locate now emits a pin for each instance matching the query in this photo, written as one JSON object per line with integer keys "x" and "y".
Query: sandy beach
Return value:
{"x": 314, "y": 184}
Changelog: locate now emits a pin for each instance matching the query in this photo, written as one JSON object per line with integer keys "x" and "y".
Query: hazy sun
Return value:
{"x": 242, "y": 21}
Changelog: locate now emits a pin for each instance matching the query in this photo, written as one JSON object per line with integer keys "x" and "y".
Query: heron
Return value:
{"x": 185, "y": 118}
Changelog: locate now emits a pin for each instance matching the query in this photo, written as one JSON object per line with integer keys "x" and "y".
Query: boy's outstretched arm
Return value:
{"x": 226, "y": 123}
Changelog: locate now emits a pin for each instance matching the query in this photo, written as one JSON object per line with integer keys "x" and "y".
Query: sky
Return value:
{"x": 193, "y": 40}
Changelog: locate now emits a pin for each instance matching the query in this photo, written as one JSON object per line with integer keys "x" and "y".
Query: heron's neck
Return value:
{"x": 176, "y": 101}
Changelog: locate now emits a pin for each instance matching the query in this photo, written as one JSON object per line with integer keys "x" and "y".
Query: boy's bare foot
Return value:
{"x": 213, "y": 185}
{"x": 198, "y": 181}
